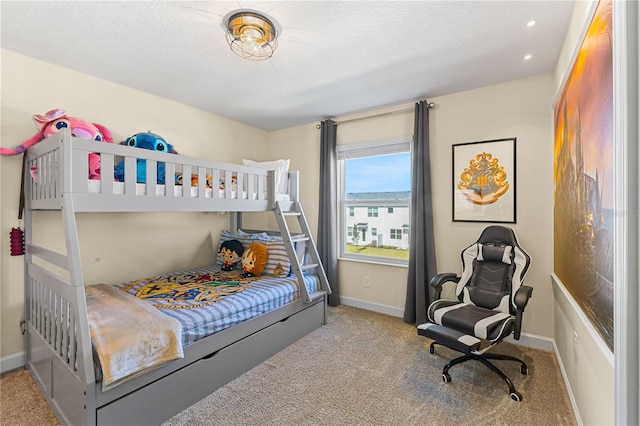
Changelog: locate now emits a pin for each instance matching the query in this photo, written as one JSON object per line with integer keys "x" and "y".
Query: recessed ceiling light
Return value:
{"x": 531, "y": 23}
{"x": 528, "y": 57}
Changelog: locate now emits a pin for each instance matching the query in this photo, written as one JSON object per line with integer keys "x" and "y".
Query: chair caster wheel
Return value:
{"x": 524, "y": 370}
{"x": 432, "y": 350}
{"x": 446, "y": 377}
{"x": 516, "y": 396}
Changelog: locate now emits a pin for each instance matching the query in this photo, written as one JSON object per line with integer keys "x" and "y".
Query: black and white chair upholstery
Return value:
{"x": 490, "y": 302}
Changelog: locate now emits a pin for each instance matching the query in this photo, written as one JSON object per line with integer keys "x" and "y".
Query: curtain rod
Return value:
{"x": 382, "y": 114}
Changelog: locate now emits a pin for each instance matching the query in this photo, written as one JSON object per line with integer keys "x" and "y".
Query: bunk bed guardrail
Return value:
{"x": 60, "y": 164}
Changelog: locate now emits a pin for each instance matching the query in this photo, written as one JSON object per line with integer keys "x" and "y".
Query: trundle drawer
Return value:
{"x": 166, "y": 397}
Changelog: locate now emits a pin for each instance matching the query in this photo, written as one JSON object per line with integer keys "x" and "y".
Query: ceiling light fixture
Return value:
{"x": 251, "y": 35}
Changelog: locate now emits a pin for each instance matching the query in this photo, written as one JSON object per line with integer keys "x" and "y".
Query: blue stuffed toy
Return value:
{"x": 150, "y": 141}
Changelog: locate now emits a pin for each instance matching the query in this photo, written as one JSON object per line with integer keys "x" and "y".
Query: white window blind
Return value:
{"x": 374, "y": 148}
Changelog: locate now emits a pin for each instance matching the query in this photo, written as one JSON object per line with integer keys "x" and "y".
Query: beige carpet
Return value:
{"x": 21, "y": 403}
{"x": 364, "y": 368}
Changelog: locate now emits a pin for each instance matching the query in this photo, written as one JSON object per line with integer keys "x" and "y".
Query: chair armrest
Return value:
{"x": 521, "y": 299}
{"x": 438, "y": 280}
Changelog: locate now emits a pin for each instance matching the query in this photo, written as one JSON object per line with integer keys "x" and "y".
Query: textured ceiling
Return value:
{"x": 333, "y": 57}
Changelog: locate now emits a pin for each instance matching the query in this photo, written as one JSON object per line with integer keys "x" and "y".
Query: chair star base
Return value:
{"x": 484, "y": 359}
{"x": 470, "y": 347}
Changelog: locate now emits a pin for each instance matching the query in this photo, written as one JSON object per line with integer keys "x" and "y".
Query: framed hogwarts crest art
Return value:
{"x": 484, "y": 181}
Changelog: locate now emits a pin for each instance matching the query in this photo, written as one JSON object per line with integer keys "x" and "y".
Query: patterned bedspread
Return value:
{"x": 207, "y": 300}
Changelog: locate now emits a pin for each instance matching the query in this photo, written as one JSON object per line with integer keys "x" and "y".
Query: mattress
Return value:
{"x": 141, "y": 189}
{"x": 206, "y": 300}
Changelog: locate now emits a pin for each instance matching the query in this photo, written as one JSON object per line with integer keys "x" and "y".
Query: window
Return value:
{"x": 375, "y": 191}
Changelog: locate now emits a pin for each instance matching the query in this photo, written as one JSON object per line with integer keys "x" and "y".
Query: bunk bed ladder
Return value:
{"x": 299, "y": 266}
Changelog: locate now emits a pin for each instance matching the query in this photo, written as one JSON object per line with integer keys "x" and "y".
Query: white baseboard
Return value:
{"x": 565, "y": 377}
{"x": 533, "y": 341}
{"x": 12, "y": 362}
{"x": 374, "y": 307}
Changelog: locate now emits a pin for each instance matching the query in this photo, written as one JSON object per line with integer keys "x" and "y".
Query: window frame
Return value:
{"x": 361, "y": 150}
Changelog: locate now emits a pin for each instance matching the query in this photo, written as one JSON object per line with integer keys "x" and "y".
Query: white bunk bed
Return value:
{"x": 58, "y": 343}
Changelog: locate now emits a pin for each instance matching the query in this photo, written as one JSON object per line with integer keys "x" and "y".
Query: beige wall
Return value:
{"x": 587, "y": 363}
{"x": 520, "y": 109}
{"x": 115, "y": 247}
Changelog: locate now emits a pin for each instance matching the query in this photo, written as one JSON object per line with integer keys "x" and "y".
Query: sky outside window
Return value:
{"x": 385, "y": 173}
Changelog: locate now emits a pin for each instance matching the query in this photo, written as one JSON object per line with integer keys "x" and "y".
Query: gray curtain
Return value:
{"x": 327, "y": 221}
{"x": 422, "y": 256}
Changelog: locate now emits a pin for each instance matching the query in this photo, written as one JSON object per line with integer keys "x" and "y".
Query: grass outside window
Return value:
{"x": 392, "y": 252}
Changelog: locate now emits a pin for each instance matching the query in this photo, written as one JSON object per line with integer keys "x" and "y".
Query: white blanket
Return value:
{"x": 130, "y": 336}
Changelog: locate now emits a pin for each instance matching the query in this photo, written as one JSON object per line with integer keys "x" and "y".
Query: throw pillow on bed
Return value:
{"x": 278, "y": 263}
{"x": 254, "y": 259}
{"x": 300, "y": 247}
{"x": 278, "y": 251}
{"x": 230, "y": 254}
{"x": 280, "y": 166}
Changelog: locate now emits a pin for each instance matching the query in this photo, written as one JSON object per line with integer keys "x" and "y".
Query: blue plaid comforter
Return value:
{"x": 206, "y": 300}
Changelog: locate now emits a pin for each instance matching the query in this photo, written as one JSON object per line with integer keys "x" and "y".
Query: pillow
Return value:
{"x": 278, "y": 263}
{"x": 228, "y": 236}
{"x": 494, "y": 253}
{"x": 230, "y": 254}
{"x": 300, "y": 247}
{"x": 254, "y": 259}
{"x": 280, "y": 166}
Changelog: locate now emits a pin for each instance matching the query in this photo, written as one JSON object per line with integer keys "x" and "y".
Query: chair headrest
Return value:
{"x": 498, "y": 234}
{"x": 495, "y": 253}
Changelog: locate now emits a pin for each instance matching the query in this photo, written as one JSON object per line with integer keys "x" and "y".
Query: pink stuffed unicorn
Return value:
{"x": 57, "y": 119}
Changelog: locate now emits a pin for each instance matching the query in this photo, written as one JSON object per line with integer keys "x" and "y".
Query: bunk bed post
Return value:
{"x": 83, "y": 352}
{"x": 85, "y": 364}
{"x": 28, "y": 236}
{"x": 272, "y": 190}
{"x": 235, "y": 221}
{"x": 293, "y": 188}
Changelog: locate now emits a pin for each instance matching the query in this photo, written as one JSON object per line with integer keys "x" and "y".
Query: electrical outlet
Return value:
{"x": 367, "y": 283}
